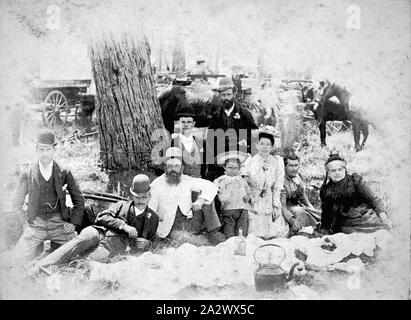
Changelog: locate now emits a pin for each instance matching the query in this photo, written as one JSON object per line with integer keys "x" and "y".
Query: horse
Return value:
{"x": 201, "y": 99}
{"x": 326, "y": 109}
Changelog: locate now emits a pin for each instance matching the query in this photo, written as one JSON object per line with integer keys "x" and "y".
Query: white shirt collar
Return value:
{"x": 188, "y": 142}
{"x": 228, "y": 112}
{"x": 46, "y": 171}
{"x": 138, "y": 211}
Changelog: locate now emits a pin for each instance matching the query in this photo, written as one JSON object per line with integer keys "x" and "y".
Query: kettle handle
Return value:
{"x": 267, "y": 245}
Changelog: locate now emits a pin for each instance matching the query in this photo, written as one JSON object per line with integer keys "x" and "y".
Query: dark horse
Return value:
{"x": 329, "y": 110}
{"x": 203, "y": 101}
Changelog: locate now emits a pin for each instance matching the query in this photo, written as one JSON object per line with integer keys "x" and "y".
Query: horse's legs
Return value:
{"x": 365, "y": 132}
{"x": 323, "y": 133}
{"x": 356, "y": 132}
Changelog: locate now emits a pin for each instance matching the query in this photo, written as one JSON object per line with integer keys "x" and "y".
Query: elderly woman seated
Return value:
{"x": 348, "y": 203}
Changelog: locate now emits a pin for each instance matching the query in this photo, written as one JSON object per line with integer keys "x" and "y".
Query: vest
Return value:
{"x": 192, "y": 160}
{"x": 48, "y": 193}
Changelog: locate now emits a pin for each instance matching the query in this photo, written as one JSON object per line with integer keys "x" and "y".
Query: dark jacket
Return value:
{"x": 123, "y": 212}
{"x": 245, "y": 121}
{"x": 294, "y": 194}
{"x": 28, "y": 183}
{"x": 339, "y": 199}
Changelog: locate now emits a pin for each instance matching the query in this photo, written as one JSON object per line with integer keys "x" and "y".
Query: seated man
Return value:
{"x": 172, "y": 199}
{"x": 125, "y": 223}
{"x": 297, "y": 209}
{"x": 48, "y": 218}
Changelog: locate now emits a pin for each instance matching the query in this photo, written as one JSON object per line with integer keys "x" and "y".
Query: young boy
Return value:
{"x": 233, "y": 193}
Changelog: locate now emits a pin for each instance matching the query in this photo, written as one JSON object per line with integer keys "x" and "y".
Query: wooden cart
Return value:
{"x": 61, "y": 99}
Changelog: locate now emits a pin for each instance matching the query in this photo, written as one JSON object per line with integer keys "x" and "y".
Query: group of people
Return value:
{"x": 262, "y": 194}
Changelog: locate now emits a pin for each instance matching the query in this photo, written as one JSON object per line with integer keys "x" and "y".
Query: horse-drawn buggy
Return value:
{"x": 63, "y": 101}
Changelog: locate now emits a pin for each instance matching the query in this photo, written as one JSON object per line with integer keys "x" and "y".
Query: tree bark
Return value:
{"x": 127, "y": 107}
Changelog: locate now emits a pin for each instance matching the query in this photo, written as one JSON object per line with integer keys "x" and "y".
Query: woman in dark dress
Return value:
{"x": 348, "y": 203}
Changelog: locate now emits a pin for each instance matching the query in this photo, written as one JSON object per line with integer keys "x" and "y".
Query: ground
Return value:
{"x": 298, "y": 36}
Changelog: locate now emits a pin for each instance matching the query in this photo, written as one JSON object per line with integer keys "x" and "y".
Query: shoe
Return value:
{"x": 215, "y": 237}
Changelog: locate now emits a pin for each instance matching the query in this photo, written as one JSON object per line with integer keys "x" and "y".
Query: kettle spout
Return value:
{"x": 291, "y": 273}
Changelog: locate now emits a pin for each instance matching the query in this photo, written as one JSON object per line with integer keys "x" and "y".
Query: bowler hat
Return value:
{"x": 46, "y": 137}
{"x": 224, "y": 84}
{"x": 140, "y": 185}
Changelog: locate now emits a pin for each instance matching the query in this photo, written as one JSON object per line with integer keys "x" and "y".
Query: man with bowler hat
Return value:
{"x": 125, "y": 223}
{"x": 48, "y": 217}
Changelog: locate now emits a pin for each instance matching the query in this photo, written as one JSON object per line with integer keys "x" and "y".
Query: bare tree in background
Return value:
{"x": 179, "y": 59}
{"x": 127, "y": 107}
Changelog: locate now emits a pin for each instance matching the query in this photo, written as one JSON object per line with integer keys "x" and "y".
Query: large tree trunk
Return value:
{"x": 127, "y": 107}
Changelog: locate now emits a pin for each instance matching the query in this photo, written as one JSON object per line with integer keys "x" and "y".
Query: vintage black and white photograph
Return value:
{"x": 205, "y": 150}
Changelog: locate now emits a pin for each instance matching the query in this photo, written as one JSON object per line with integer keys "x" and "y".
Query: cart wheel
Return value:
{"x": 334, "y": 127}
{"x": 56, "y": 108}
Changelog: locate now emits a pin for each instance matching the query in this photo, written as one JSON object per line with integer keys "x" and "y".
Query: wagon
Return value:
{"x": 61, "y": 99}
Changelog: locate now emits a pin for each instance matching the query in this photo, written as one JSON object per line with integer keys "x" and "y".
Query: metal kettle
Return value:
{"x": 269, "y": 276}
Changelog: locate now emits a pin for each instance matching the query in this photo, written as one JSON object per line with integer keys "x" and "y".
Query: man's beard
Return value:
{"x": 227, "y": 103}
{"x": 173, "y": 177}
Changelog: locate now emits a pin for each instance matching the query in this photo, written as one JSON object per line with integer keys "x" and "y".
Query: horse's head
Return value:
{"x": 323, "y": 91}
{"x": 307, "y": 93}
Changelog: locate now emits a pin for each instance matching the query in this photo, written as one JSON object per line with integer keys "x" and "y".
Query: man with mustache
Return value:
{"x": 172, "y": 199}
{"x": 297, "y": 209}
{"x": 230, "y": 116}
{"x": 125, "y": 223}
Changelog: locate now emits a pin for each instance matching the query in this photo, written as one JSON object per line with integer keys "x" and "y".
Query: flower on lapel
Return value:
{"x": 237, "y": 116}
{"x": 148, "y": 215}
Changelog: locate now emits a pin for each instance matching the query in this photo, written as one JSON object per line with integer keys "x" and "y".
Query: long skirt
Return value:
{"x": 263, "y": 226}
{"x": 361, "y": 219}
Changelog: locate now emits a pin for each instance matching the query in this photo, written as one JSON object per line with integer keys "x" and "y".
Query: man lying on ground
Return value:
{"x": 125, "y": 223}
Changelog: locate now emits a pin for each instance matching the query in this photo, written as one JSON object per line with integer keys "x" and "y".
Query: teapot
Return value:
{"x": 270, "y": 276}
